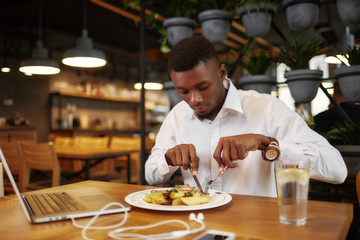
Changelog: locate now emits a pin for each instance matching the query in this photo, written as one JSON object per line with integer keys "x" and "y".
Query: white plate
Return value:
{"x": 136, "y": 199}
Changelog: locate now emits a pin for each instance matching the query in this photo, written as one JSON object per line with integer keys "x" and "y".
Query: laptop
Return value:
{"x": 58, "y": 205}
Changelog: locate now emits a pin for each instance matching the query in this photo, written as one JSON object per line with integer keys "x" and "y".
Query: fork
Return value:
{"x": 208, "y": 185}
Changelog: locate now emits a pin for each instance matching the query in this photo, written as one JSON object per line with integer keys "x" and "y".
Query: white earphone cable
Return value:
{"x": 88, "y": 225}
{"x": 119, "y": 233}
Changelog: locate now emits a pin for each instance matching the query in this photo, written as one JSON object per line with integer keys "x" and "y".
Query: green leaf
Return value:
{"x": 258, "y": 64}
{"x": 353, "y": 55}
{"x": 219, "y": 4}
{"x": 298, "y": 56}
{"x": 256, "y": 4}
{"x": 182, "y": 8}
{"x": 346, "y": 133}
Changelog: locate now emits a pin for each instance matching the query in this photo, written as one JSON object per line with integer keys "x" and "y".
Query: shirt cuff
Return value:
{"x": 164, "y": 168}
{"x": 290, "y": 150}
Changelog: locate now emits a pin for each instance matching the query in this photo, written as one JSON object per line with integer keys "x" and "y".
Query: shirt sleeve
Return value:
{"x": 297, "y": 139}
{"x": 157, "y": 170}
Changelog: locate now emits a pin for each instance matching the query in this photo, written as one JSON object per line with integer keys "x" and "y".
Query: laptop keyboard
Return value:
{"x": 57, "y": 202}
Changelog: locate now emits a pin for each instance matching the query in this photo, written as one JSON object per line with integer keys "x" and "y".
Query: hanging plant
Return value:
{"x": 349, "y": 76}
{"x": 257, "y": 65}
{"x": 298, "y": 56}
{"x": 346, "y": 139}
{"x": 344, "y": 134}
{"x": 267, "y": 5}
{"x": 218, "y": 4}
{"x": 349, "y": 11}
{"x": 216, "y": 18}
{"x": 178, "y": 26}
{"x": 301, "y": 14}
{"x": 303, "y": 82}
{"x": 256, "y": 16}
{"x": 353, "y": 56}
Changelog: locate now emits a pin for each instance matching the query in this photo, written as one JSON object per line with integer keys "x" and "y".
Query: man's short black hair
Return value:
{"x": 189, "y": 52}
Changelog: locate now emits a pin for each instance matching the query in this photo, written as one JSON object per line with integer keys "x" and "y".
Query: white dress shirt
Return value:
{"x": 243, "y": 112}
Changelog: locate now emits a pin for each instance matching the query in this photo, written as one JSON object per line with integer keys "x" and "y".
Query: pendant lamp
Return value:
{"x": 84, "y": 55}
{"x": 5, "y": 68}
{"x": 39, "y": 63}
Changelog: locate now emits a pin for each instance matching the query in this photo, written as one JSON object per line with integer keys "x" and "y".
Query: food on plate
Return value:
{"x": 178, "y": 195}
{"x": 195, "y": 200}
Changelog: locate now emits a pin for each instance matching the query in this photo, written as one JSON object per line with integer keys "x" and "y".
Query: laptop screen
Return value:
{"x": 13, "y": 183}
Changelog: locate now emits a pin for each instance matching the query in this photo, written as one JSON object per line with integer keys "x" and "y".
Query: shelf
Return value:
{"x": 16, "y": 128}
{"x": 96, "y": 97}
{"x": 123, "y": 111}
{"x": 93, "y": 132}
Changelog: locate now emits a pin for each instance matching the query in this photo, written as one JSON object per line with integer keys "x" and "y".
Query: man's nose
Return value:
{"x": 195, "y": 97}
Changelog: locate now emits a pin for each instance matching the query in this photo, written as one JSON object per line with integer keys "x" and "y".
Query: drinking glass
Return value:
{"x": 292, "y": 183}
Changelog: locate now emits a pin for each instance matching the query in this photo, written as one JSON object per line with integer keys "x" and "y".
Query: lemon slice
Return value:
{"x": 292, "y": 175}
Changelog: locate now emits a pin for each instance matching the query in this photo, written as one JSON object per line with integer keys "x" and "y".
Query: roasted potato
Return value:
{"x": 147, "y": 198}
{"x": 176, "y": 202}
{"x": 159, "y": 198}
{"x": 178, "y": 195}
{"x": 195, "y": 200}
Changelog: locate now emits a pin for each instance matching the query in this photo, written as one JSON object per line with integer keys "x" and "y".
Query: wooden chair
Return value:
{"x": 24, "y": 135}
{"x": 1, "y": 180}
{"x": 69, "y": 166}
{"x": 12, "y": 154}
{"x": 127, "y": 143}
{"x": 4, "y": 136}
{"x": 42, "y": 157}
{"x": 358, "y": 186}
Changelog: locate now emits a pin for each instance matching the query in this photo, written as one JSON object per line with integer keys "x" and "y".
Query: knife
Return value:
{"x": 196, "y": 181}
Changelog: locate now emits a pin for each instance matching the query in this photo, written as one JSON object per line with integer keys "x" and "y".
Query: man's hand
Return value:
{"x": 238, "y": 147}
{"x": 183, "y": 155}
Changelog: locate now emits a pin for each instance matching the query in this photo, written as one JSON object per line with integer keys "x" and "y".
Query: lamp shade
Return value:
{"x": 84, "y": 55}
{"x": 39, "y": 63}
{"x": 5, "y": 69}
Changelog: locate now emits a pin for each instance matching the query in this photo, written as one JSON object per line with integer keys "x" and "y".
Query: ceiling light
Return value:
{"x": 39, "y": 63}
{"x": 149, "y": 86}
{"x": 5, "y": 69}
{"x": 84, "y": 55}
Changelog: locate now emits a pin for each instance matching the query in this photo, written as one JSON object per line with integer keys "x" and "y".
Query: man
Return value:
{"x": 326, "y": 120}
{"x": 217, "y": 125}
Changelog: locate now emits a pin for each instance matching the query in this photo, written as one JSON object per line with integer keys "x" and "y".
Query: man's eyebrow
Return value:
{"x": 197, "y": 85}
{"x": 202, "y": 82}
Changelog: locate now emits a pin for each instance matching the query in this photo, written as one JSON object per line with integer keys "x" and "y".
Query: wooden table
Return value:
{"x": 93, "y": 156}
{"x": 249, "y": 217}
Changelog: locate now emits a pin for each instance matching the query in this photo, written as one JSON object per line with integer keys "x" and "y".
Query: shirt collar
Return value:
{"x": 232, "y": 100}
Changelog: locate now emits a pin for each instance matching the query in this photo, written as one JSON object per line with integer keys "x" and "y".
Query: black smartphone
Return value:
{"x": 215, "y": 235}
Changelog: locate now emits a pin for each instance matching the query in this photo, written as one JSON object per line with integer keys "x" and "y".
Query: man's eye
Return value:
{"x": 202, "y": 88}
{"x": 182, "y": 92}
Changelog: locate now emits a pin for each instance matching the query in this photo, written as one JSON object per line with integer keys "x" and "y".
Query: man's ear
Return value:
{"x": 223, "y": 71}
